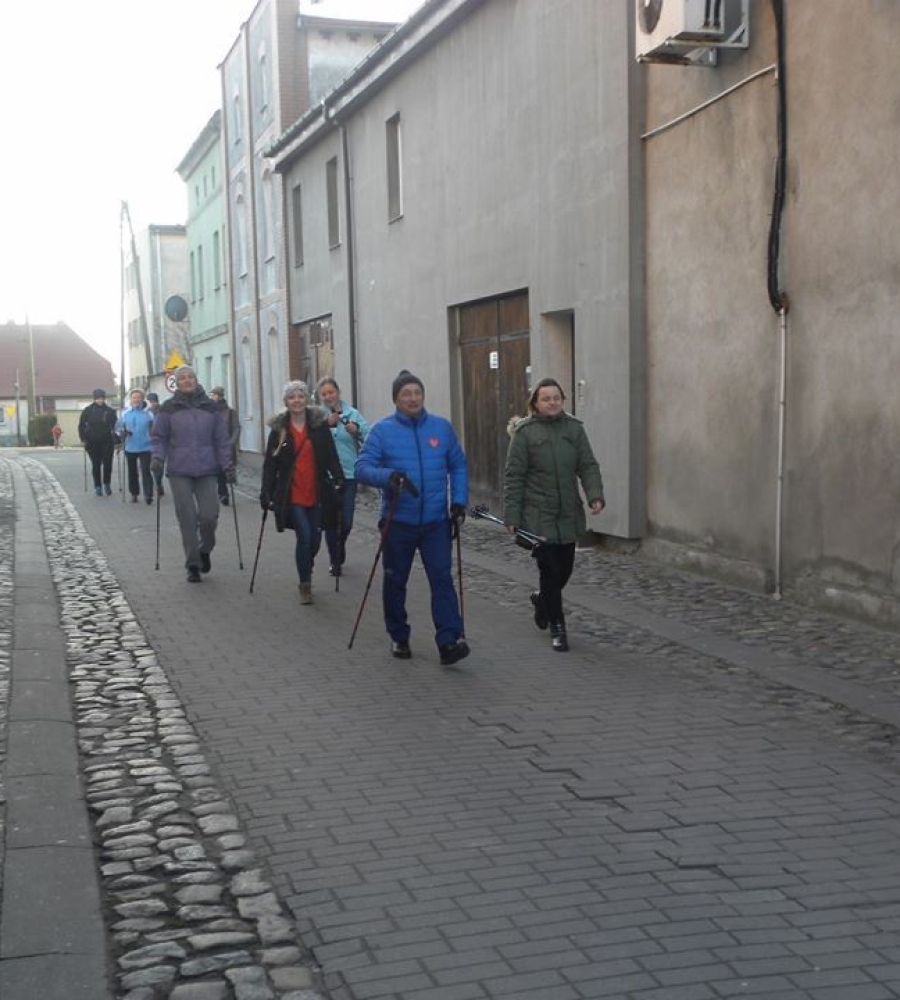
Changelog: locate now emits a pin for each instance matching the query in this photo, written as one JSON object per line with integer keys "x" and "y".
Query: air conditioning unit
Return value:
{"x": 689, "y": 32}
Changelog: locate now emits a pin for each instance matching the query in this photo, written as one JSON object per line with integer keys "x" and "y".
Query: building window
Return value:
{"x": 394, "y": 168}
{"x": 193, "y": 277}
{"x": 268, "y": 217}
{"x": 297, "y": 211}
{"x": 217, "y": 260}
{"x": 236, "y": 118}
{"x": 331, "y": 191}
{"x": 241, "y": 235}
{"x": 263, "y": 79}
{"x": 201, "y": 285}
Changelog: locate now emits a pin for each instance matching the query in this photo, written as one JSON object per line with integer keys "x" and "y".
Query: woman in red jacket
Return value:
{"x": 302, "y": 478}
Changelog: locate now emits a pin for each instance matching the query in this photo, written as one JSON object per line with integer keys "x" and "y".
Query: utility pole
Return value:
{"x": 136, "y": 264}
{"x": 32, "y": 398}
{"x": 18, "y": 412}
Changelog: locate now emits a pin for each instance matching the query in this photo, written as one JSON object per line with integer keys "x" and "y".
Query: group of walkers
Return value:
{"x": 315, "y": 456}
{"x": 103, "y": 433}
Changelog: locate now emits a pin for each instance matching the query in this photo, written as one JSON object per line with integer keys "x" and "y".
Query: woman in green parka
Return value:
{"x": 548, "y": 455}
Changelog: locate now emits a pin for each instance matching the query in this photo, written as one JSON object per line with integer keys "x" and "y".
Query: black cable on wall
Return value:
{"x": 778, "y": 296}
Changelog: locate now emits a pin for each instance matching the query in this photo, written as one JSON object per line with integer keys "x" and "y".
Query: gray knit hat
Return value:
{"x": 294, "y": 386}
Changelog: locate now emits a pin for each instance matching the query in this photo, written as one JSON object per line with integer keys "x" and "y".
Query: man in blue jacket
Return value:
{"x": 416, "y": 459}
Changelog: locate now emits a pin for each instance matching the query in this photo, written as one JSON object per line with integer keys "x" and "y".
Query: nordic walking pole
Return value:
{"x": 84, "y": 452}
{"x": 157, "y": 531}
{"x": 384, "y": 533}
{"x": 262, "y": 528}
{"x": 462, "y": 607}
{"x": 237, "y": 533}
{"x": 340, "y": 528}
{"x": 528, "y": 539}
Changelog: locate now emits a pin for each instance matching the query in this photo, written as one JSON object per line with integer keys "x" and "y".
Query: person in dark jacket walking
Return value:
{"x": 416, "y": 459}
{"x": 96, "y": 431}
{"x": 190, "y": 440}
{"x": 217, "y": 395}
{"x": 302, "y": 479}
{"x": 153, "y": 409}
{"x": 548, "y": 455}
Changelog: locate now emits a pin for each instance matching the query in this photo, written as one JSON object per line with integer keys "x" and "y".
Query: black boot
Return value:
{"x": 558, "y": 634}
{"x": 540, "y": 615}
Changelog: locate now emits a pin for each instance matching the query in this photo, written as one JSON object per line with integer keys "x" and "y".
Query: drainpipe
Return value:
{"x": 779, "y": 487}
{"x": 351, "y": 264}
{"x": 252, "y": 234}
{"x": 351, "y": 252}
{"x": 778, "y": 297}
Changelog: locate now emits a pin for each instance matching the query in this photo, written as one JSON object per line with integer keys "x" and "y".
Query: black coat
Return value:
{"x": 278, "y": 468}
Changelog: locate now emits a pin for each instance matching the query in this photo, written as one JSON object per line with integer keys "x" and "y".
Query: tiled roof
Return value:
{"x": 64, "y": 364}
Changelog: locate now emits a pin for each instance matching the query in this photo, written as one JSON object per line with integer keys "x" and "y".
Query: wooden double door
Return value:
{"x": 495, "y": 351}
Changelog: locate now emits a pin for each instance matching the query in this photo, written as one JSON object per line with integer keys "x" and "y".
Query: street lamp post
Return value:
{"x": 18, "y": 412}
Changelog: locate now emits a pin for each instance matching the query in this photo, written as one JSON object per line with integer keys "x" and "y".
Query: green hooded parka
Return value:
{"x": 547, "y": 457}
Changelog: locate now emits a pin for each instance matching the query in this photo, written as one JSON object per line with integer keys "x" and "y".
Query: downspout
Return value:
{"x": 779, "y": 485}
{"x": 778, "y": 297}
{"x": 351, "y": 251}
{"x": 227, "y": 248}
{"x": 351, "y": 263}
{"x": 252, "y": 234}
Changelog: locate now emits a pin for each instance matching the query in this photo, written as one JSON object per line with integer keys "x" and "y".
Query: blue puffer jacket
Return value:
{"x": 136, "y": 424}
{"x": 427, "y": 450}
{"x": 191, "y": 434}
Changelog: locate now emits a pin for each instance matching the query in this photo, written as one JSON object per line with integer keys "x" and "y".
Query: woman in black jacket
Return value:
{"x": 302, "y": 480}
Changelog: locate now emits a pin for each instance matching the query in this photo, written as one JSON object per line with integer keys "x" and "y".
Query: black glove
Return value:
{"x": 230, "y": 475}
{"x": 156, "y": 467}
{"x": 265, "y": 501}
{"x": 399, "y": 481}
{"x": 457, "y": 518}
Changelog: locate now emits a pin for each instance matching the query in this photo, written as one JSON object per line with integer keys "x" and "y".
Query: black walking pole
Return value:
{"x": 462, "y": 609}
{"x": 120, "y": 469}
{"x": 526, "y": 539}
{"x": 384, "y": 533}
{"x": 336, "y": 565}
{"x": 84, "y": 452}
{"x": 237, "y": 533}
{"x": 262, "y": 528}
{"x": 157, "y": 532}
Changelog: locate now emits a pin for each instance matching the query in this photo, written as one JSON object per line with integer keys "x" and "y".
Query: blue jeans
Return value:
{"x": 348, "y": 506}
{"x": 435, "y": 549}
{"x": 309, "y": 538}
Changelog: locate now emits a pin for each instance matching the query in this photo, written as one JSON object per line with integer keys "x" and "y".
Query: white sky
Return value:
{"x": 99, "y": 102}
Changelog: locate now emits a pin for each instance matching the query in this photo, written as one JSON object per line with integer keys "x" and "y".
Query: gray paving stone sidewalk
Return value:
{"x": 700, "y": 800}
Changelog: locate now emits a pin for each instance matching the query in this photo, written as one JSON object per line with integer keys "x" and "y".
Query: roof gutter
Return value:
{"x": 406, "y": 43}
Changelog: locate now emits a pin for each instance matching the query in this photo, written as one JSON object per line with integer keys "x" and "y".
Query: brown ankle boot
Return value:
{"x": 306, "y": 593}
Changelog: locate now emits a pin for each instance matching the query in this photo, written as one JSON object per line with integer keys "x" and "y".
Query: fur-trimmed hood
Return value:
{"x": 315, "y": 417}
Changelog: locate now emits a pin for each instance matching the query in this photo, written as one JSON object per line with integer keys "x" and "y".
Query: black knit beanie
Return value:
{"x": 405, "y": 378}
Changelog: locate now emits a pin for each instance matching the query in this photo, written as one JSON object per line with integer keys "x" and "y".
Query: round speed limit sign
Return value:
{"x": 170, "y": 381}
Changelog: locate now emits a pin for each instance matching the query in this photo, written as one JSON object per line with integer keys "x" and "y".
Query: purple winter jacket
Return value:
{"x": 190, "y": 434}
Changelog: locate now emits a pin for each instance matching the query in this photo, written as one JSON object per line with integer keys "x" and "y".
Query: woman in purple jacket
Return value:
{"x": 190, "y": 439}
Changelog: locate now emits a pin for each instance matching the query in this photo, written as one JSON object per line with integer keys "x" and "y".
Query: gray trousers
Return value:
{"x": 197, "y": 509}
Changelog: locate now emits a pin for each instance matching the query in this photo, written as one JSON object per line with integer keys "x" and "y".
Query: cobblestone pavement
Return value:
{"x": 699, "y": 801}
